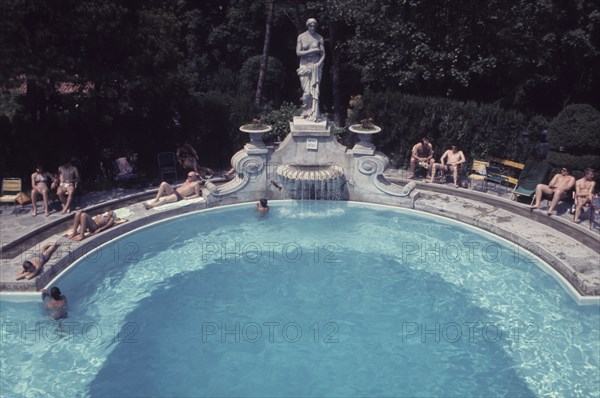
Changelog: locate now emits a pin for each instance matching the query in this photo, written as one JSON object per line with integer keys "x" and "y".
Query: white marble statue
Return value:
{"x": 311, "y": 50}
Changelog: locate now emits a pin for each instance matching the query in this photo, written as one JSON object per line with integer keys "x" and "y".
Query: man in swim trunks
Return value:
{"x": 584, "y": 192}
{"x": 95, "y": 224}
{"x": 558, "y": 187}
{"x": 190, "y": 189}
{"x": 451, "y": 160}
{"x": 422, "y": 153}
{"x": 34, "y": 263}
{"x": 68, "y": 176}
{"x": 57, "y": 305}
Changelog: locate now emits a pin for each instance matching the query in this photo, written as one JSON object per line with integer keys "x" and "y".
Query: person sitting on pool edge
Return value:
{"x": 422, "y": 154}
{"x": 57, "y": 305}
{"x": 190, "y": 189}
{"x": 84, "y": 222}
{"x": 262, "y": 205}
{"x": 35, "y": 262}
{"x": 584, "y": 192}
{"x": 557, "y": 189}
{"x": 453, "y": 161}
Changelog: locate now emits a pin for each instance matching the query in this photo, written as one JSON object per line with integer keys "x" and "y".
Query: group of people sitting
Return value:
{"x": 559, "y": 187}
{"x": 422, "y": 155}
{"x": 65, "y": 184}
{"x": 450, "y": 162}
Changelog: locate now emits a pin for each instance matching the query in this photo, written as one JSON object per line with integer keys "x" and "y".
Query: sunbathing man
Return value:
{"x": 95, "y": 224}
{"x": 584, "y": 192}
{"x": 57, "y": 305}
{"x": 422, "y": 153}
{"x": 454, "y": 160}
{"x": 190, "y": 189}
{"x": 35, "y": 262}
{"x": 68, "y": 177}
{"x": 558, "y": 187}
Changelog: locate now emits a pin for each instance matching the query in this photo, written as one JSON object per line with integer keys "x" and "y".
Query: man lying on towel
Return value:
{"x": 190, "y": 189}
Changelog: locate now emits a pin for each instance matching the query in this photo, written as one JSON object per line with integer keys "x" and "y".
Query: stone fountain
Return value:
{"x": 309, "y": 163}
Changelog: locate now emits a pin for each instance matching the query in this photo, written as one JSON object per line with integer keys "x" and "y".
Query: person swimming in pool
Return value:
{"x": 262, "y": 206}
{"x": 34, "y": 263}
{"x": 84, "y": 222}
{"x": 57, "y": 305}
{"x": 190, "y": 189}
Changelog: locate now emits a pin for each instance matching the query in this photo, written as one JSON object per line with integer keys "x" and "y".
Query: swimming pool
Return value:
{"x": 316, "y": 299}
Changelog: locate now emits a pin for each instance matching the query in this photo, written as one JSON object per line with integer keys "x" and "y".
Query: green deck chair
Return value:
{"x": 533, "y": 173}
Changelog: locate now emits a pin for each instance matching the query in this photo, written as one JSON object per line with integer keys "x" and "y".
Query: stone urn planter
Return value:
{"x": 256, "y": 132}
{"x": 364, "y": 146}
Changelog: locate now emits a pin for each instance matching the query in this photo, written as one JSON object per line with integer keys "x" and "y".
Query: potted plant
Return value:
{"x": 365, "y": 129}
{"x": 256, "y": 129}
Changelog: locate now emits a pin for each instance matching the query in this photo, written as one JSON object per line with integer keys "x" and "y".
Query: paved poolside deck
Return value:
{"x": 571, "y": 249}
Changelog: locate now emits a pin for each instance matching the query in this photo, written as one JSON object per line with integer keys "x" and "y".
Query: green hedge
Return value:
{"x": 480, "y": 130}
{"x": 575, "y": 138}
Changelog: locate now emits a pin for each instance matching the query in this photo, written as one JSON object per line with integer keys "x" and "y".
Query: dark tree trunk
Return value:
{"x": 335, "y": 73}
{"x": 265, "y": 54}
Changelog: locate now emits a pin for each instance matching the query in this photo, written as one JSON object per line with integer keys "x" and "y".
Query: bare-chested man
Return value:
{"x": 422, "y": 153}
{"x": 584, "y": 192}
{"x": 68, "y": 177}
{"x": 190, "y": 189}
{"x": 84, "y": 222}
{"x": 558, "y": 187}
{"x": 57, "y": 305}
{"x": 451, "y": 160}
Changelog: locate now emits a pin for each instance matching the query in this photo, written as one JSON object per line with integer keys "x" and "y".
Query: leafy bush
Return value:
{"x": 251, "y": 68}
{"x": 480, "y": 130}
{"x": 280, "y": 120}
{"x": 575, "y": 138}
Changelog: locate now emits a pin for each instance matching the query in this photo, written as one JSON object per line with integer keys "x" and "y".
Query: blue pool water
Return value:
{"x": 320, "y": 299}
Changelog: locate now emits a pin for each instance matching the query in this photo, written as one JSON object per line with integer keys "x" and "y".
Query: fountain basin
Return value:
{"x": 312, "y": 181}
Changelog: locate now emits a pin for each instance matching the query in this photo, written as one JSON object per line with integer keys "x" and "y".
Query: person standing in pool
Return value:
{"x": 262, "y": 206}
{"x": 57, "y": 305}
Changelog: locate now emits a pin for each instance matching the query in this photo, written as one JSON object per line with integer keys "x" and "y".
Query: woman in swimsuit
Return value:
{"x": 35, "y": 262}
{"x": 95, "y": 224}
{"x": 39, "y": 185}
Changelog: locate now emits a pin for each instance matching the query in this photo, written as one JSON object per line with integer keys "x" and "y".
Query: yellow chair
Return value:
{"x": 478, "y": 171}
{"x": 10, "y": 189}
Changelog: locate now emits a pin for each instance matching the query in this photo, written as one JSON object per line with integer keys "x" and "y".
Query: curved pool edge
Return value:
{"x": 581, "y": 280}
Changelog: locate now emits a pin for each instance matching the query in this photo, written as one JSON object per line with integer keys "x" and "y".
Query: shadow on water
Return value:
{"x": 366, "y": 329}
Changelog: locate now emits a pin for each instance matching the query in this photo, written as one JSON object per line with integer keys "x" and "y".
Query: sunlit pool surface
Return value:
{"x": 319, "y": 299}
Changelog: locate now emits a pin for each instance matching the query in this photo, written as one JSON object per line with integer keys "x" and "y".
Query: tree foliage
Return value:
{"x": 145, "y": 74}
{"x": 575, "y": 139}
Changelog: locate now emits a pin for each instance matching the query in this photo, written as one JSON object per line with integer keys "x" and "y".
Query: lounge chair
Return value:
{"x": 533, "y": 173}
{"x": 478, "y": 171}
{"x": 10, "y": 190}
{"x": 167, "y": 165}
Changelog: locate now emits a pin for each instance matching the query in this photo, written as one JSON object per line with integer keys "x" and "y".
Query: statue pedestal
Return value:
{"x": 301, "y": 127}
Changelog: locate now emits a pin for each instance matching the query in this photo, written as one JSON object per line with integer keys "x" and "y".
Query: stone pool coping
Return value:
{"x": 575, "y": 261}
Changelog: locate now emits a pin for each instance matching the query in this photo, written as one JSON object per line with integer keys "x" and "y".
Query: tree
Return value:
{"x": 265, "y": 53}
{"x": 573, "y": 135}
